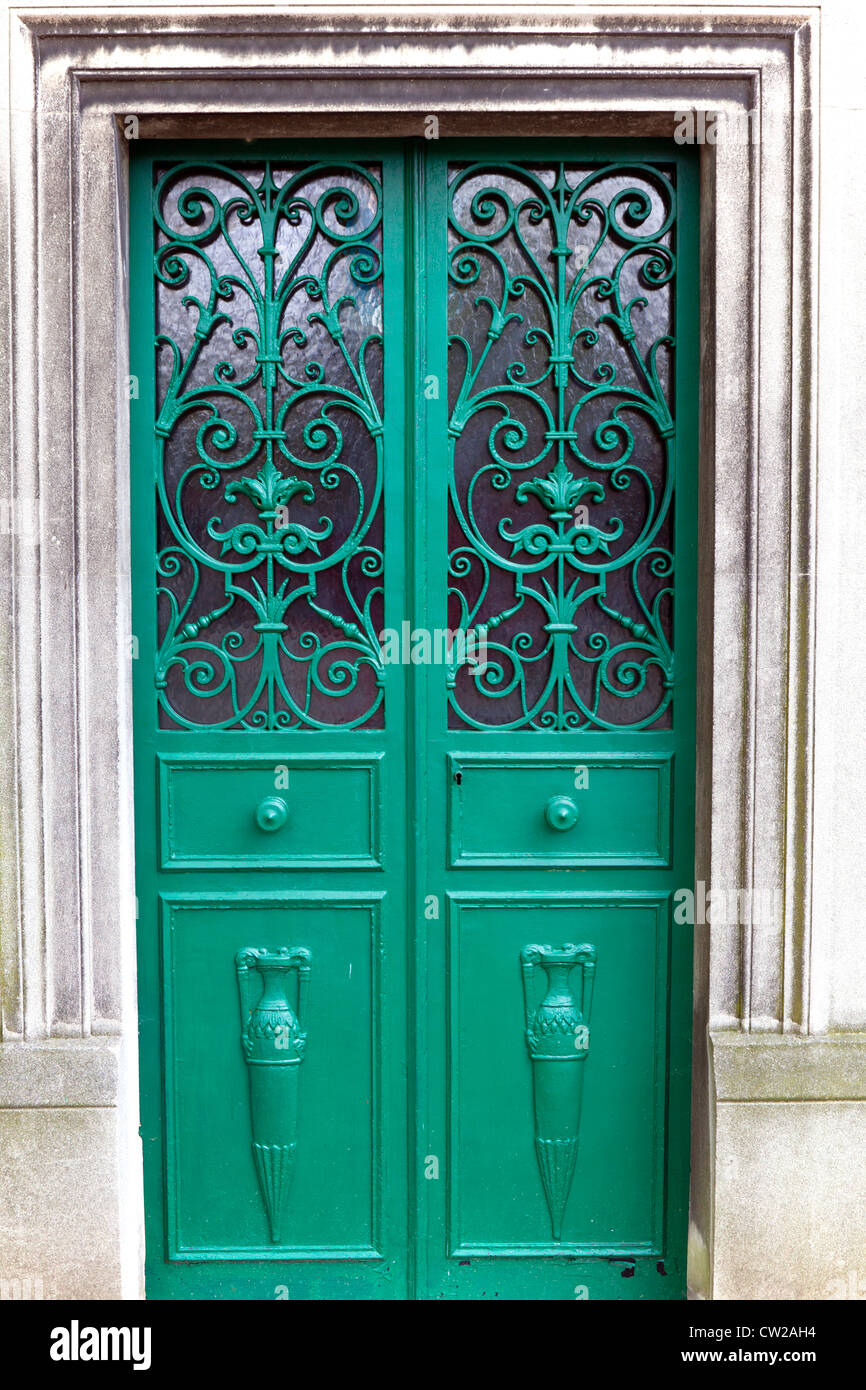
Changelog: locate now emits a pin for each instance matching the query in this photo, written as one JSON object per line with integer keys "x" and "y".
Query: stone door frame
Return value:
{"x": 68, "y": 1063}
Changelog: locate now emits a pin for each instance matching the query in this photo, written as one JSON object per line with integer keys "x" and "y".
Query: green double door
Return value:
{"x": 413, "y": 512}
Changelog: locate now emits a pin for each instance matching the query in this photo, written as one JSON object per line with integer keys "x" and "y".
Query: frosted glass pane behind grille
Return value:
{"x": 560, "y": 393}
{"x": 269, "y": 397}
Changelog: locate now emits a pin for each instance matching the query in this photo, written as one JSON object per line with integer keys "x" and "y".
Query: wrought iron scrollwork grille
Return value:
{"x": 269, "y": 445}
{"x": 561, "y": 477}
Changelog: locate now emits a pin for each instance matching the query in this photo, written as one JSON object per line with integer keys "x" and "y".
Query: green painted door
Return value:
{"x": 414, "y": 531}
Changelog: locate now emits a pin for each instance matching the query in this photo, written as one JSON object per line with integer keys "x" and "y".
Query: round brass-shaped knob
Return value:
{"x": 272, "y": 813}
{"x": 560, "y": 813}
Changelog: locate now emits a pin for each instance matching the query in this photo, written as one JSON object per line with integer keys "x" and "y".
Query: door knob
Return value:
{"x": 272, "y": 813}
{"x": 560, "y": 813}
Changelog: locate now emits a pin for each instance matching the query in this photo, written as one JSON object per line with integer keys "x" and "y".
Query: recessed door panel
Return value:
{"x": 520, "y": 811}
{"x": 242, "y": 1128}
{"x": 280, "y": 812}
{"x": 598, "y": 1193}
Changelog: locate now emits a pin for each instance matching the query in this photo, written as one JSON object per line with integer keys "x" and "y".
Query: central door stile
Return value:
{"x": 396, "y": 1281}
{"x": 416, "y": 788}
{"x": 433, "y": 1162}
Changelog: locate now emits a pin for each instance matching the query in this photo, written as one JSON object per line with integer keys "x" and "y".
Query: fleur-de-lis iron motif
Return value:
{"x": 576, "y": 647}
{"x": 274, "y": 1044}
{"x": 557, "y": 1037}
{"x": 274, "y": 254}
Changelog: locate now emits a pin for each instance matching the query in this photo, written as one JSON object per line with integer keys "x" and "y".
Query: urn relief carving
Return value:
{"x": 274, "y": 1044}
{"x": 557, "y": 1037}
